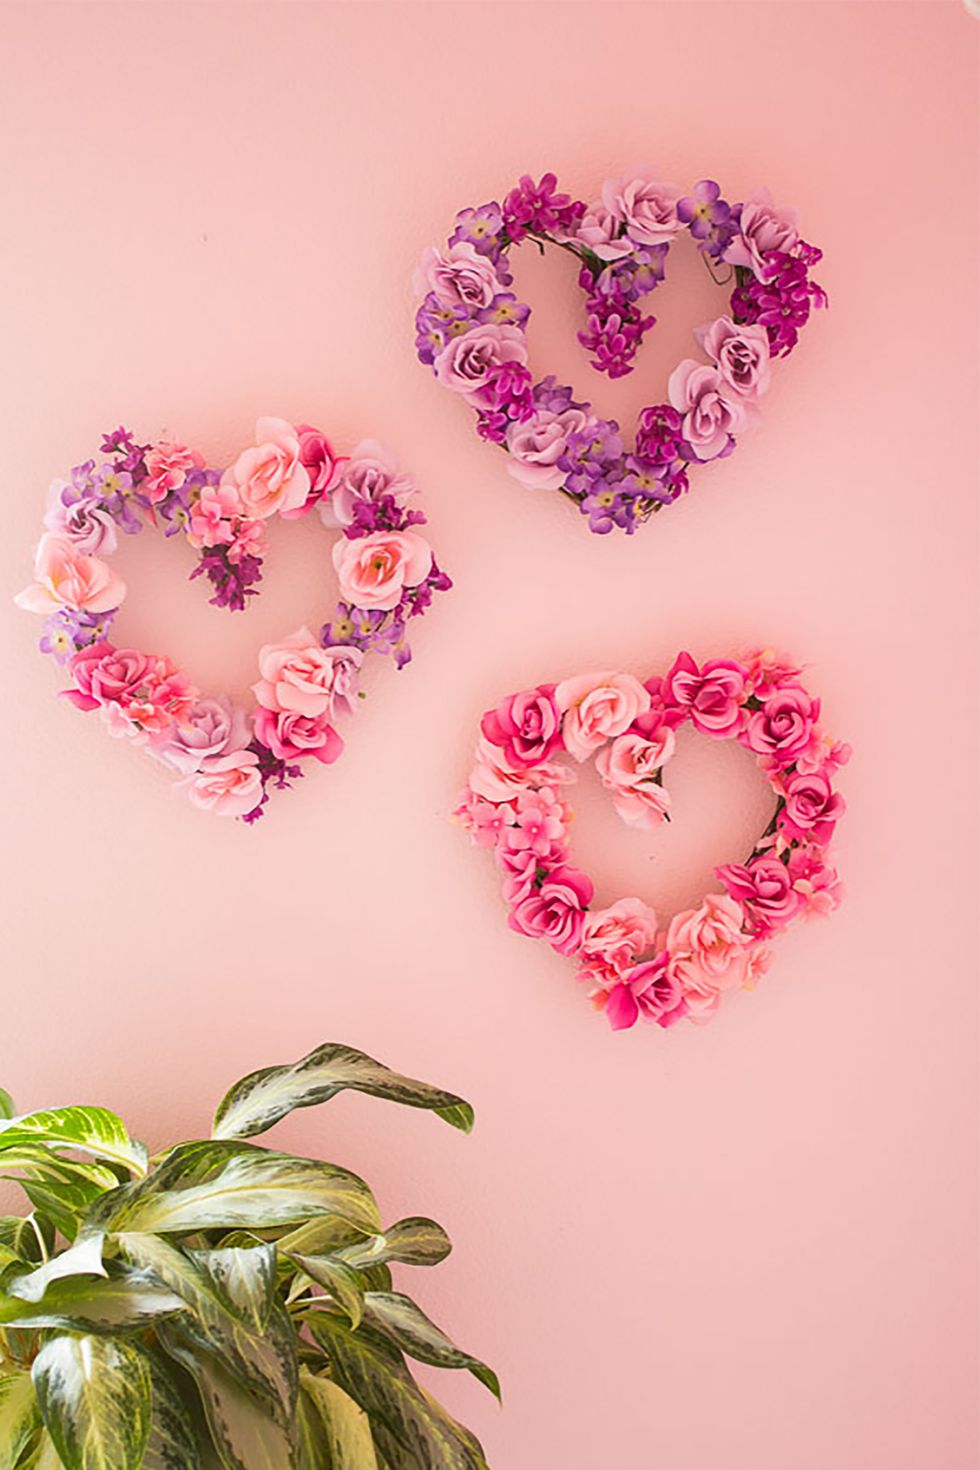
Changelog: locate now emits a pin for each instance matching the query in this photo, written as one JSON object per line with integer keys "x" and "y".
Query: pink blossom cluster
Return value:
{"x": 635, "y": 967}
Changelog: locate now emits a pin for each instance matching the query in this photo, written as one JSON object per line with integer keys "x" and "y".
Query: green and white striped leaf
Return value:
{"x": 84, "y": 1258}
{"x": 173, "y": 1442}
{"x": 227, "y": 1185}
{"x": 43, "y": 1456}
{"x": 396, "y": 1317}
{"x": 334, "y": 1431}
{"x": 343, "y": 1284}
{"x": 28, "y": 1237}
{"x": 262, "y": 1098}
{"x": 123, "y": 1303}
{"x": 377, "y": 1378}
{"x": 94, "y": 1394}
{"x": 19, "y": 1417}
{"x": 245, "y": 1434}
{"x": 65, "y": 1205}
{"x": 93, "y": 1131}
{"x": 40, "y": 1163}
{"x": 7, "y": 1109}
{"x": 412, "y": 1242}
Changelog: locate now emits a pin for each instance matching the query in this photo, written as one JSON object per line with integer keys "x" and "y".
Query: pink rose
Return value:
{"x": 494, "y": 778}
{"x": 711, "y": 416}
{"x": 459, "y": 277}
{"x": 627, "y": 767}
{"x": 526, "y": 727}
{"x": 103, "y": 672}
{"x": 597, "y": 707}
{"x": 764, "y": 888}
{"x": 290, "y": 735}
{"x": 66, "y": 577}
{"x": 167, "y": 468}
{"x": 709, "y": 952}
{"x": 783, "y": 729}
{"x": 648, "y": 992}
{"x": 555, "y": 911}
{"x": 139, "y": 694}
{"x": 613, "y": 939}
{"x": 210, "y": 728}
{"x": 536, "y": 446}
{"x": 370, "y": 474}
{"x": 374, "y": 570}
{"x": 598, "y": 230}
{"x": 271, "y": 477}
{"x": 647, "y": 207}
{"x": 300, "y": 677}
{"x": 229, "y": 786}
{"x": 711, "y": 695}
{"x": 762, "y": 227}
{"x": 740, "y": 353}
{"x": 812, "y": 808}
{"x": 466, "y": 363}
{"x": 82, "y": 519}
{"x": 322, "y": 465}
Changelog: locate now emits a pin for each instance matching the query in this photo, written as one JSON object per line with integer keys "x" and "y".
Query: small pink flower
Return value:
{"x": 322, "y": 465}
{"x": 229, "y": 785}
{"x": 248, "y": 539}
{"x": 300, "y": 677}
{"x": 815, "y": 881}
{"x": 812, "y": 808}
{"x": 740, "y": 353}
{"x": 460, "y": 276}
{"x": 370, "y": 474}
{"x": 613, "y": 939}
{"x": 645, "y": 205}
{"x": 466, "y": 362}
{"x": 764, "y": 888}
{"x": 526, "y": 726}
{"x": 374, "y": 570}
{"x": 711, "y": 695}
{"x": 536, "y": 445}
{"x": 555, "y": 910}
{"x": 627, "y": 767}
{"x": 167, "y": 468}
{"x": 290, "y": 735}
{"x": 648, "y": 992}
{"x": 483, "y": 820}
{"x": 783, "y": 729}
{"x": 270, "y": 478}
{"x": 66, "y": 577}
{"x": 762, "y": 227}
{"x": 211, "y": 517}
{"x": 713, "y": 414}
{"x": 538, "y": 824}
{"x": 708, "y": 952}
{"x": 597, "y": 707}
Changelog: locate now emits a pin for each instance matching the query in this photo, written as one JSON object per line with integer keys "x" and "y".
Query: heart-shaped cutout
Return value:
{"x": 471, "y": 330}
{"x": 635, "y": 967}
{"x": 229, "y": 758}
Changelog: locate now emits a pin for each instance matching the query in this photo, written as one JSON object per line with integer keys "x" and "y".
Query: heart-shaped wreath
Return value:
{"x": 228, "y": 757}
{"x": 471, "y": 330}
{"x": 634, "y": 968}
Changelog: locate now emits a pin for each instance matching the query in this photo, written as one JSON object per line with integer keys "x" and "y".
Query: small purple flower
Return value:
{"x": 481, "y": 228}
{"x": 704, "y": 209}
{"x": 509, "y": 390}
{"x": 607, "y": 505}
{"x": 590, "y": 455}
{"x": 233, "y": 582}
{"x": 66, "y": 631}
{"x": 781, "y": 303}
{"x": 505, "y": 310}
{"x": 435, "y": 325}
{"x": 537, "y": 208}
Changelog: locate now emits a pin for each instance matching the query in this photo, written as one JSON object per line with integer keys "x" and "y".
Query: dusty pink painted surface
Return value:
{"x": 749, "y": 1247}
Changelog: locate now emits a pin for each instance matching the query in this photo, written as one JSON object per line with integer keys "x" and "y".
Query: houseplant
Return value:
{"x": 220, "y": 1304}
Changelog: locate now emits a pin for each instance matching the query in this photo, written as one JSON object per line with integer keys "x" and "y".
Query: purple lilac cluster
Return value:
{"x": 471, "y": 331}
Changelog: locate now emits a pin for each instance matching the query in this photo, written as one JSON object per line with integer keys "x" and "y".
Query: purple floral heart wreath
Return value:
{"x": 635, "y": 967}
{"x": 230, "y": 758}
{"x": 472, "y": 332}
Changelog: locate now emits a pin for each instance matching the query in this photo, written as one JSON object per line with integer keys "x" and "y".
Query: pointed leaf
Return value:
{"x": 412, "y": 1242}
{"x": 93, "y": 1131}
{"x": 208, "y": 1185}
{"x": 397, "y": 1318}
{"x": 95, "y": 1399}
{"x": 173, "y": 1442}
{"x": 340, "y": 1430}
{"x": 124, "y": 1303}
{"x": 27, "y": 1236}
{"x": 263, "y": 1097}
{"x": 245, "y": 1434}
{"x": 7, "y": 1109}
{"x": 82, "y": 1259}
{"x": 19, "y": 1417}
{"x": 342, "y": 1283}
{"x": 64, "y": 1204}
{"x": 43, "y": 1456}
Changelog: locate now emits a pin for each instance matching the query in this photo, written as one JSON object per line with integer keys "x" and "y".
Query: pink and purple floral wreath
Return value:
{"x": 471, "y": 330}
{"x": 636, "y": 968}
{"x": 230, "y": 758}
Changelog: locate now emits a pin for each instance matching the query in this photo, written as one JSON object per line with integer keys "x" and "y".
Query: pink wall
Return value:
{"x": 752, "y": 1245}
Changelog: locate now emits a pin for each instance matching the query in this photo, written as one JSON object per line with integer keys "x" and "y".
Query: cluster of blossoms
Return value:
{"x": 471, "y": 330}
{"x": 634, "y": 967}
{"x": 229, "y": 758}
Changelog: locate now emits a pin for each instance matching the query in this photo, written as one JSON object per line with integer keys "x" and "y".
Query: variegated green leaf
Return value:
{"x": 19, "y": 1417}
{"x": 41, "y": 1163}
{"x": 263, "y": 1097}
{"x": 63, "y": 1204}
{"x": 173, "y": 1442}
{"x": 7, "y": 1109}
{"x": 123, "y": 1303}
{"x": 412, "y": 1242}
{"x": 376, "y": 1377}
{"x": 396, "y": 1317}
{"x": 93, "y": 1131}
{"x": 245, "y": 1435}
{"x": 335, "y": 1432}
{"x": 226, "y": 1185}
{"x": 340, "y": 1281}
{"x": 84, "y": 1258}
{"x": 29, "y": 1237}
{"x": 42, "y": 1455}
{"x": 95, "y": 1399}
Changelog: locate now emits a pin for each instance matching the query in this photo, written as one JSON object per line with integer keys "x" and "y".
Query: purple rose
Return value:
{"x": 211, "y": 728}
{"x": 647, "y": 207}
{"x": 460, "y": 277}
{"x": 81, "y": 519}
{"x": 556, "y": 910}
{"x": 765, "y": 891}
{"x": 711, "y": 417}
{"x": 466, "y": 363}
{"x": 740, "y": 353}
{"x": 537, "y": 445}
{"x": 762, "y": 227}
{"x": 370, "y": 474}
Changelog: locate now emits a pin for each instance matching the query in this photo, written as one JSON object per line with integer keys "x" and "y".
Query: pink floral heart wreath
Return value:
{"x": 230, "y": 758}
{"x": 634, "y": 968}
{"x": 471, "y": 330}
